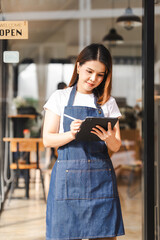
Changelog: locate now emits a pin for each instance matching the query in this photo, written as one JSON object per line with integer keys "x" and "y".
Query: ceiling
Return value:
{"x": 49, "y": 5}
{"x": 54, "y": 34}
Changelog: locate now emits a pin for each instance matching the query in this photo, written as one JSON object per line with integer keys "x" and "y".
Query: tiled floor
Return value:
{"x": 24, "y": 219}
{"x": 132, "y": 214}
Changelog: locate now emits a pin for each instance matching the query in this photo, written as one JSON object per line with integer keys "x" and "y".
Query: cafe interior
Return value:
{"x": 57, "y": 31}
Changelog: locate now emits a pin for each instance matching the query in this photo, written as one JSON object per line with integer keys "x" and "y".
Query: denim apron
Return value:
{"x": 83, "y": 199}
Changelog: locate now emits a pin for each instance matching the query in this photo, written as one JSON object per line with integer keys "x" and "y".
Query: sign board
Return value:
{"x": 10, "y": 56}
{"x": 13, "y": 29}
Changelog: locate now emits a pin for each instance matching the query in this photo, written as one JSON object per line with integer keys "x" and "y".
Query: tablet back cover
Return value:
{"x": 85, "y": 131}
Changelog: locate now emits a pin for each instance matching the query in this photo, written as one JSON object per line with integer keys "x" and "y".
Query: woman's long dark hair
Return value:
{"x": 96, "y": 52}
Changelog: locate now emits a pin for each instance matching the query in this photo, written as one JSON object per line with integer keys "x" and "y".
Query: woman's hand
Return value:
{"x": 75, "y": 127}
{"x": 51, "y": 135}
{"x": 111, "y": 137}
{"x": 103, "y": 134}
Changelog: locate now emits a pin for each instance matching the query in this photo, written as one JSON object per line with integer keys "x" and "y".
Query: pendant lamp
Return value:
{"x": 128, "y": 20}
{"x": 113, "y": 37}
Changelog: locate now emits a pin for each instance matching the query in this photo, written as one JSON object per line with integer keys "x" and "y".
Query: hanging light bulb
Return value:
{"x": 112, "y": 36}
{"x": 128, "y": 20}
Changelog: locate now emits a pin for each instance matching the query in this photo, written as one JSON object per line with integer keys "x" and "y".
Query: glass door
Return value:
{"x": 58, "y": 30}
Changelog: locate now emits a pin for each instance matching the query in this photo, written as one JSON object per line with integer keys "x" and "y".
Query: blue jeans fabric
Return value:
{"x": 83, "y": 199}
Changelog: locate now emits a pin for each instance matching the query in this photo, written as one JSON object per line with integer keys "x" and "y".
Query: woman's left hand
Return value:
{"x": 111, "y": 137}
{"x": 103, "y": 134}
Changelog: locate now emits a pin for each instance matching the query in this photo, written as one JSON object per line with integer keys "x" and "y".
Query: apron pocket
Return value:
{"x": 89, "y": 184}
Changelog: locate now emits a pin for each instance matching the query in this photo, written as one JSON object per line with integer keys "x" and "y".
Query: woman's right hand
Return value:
{"x": 51, "y": 135}
{"x": 75, "y": 127}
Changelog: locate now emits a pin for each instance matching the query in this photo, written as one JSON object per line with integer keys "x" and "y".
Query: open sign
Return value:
{"x": 13, "y": 29}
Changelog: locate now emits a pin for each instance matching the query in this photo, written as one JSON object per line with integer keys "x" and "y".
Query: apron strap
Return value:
{"x": 100, "y": 111}
{"x": 72, "y": 96}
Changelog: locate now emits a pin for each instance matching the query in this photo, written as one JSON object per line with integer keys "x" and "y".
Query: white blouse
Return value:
{"x": 59, "y": 99}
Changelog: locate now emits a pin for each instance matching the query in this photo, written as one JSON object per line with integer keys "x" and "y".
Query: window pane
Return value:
{"x": 27, "y": 81}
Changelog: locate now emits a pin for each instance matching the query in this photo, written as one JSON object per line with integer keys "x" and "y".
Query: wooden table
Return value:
{"x": 26, "y": 145}
{"x": 32, "y": 116}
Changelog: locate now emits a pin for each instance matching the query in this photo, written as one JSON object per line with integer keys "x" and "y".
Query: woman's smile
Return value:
{"x": 90, "y": 84}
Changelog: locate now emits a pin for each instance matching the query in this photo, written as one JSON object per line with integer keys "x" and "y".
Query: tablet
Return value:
{"x": 85, "y": 129}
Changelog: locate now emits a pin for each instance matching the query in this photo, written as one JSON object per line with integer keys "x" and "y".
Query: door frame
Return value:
{"x": 148, "y": 118}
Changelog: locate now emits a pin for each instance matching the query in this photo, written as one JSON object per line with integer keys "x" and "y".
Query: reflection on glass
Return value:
{"x": 127, "y": 89}
{"x": 60, "y": 39}
{"x": 127, "y": 82}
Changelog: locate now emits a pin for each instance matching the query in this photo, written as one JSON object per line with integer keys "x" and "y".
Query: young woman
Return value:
{"x": 83, "y": 201}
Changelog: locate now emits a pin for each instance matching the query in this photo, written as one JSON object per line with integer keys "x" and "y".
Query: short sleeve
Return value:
{"x": 53, "y": 104}
{"x": 113, "y": 108}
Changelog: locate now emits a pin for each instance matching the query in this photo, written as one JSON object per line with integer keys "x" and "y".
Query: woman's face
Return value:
{"x": 91, "y": 74}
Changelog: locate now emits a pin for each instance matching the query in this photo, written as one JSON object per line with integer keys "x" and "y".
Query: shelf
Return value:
{"x": 156, "y": 97}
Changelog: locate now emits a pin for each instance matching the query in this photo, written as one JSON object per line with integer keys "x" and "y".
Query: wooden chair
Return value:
{"x": 26, "y": 145}
{"x": 131, "y": 142}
